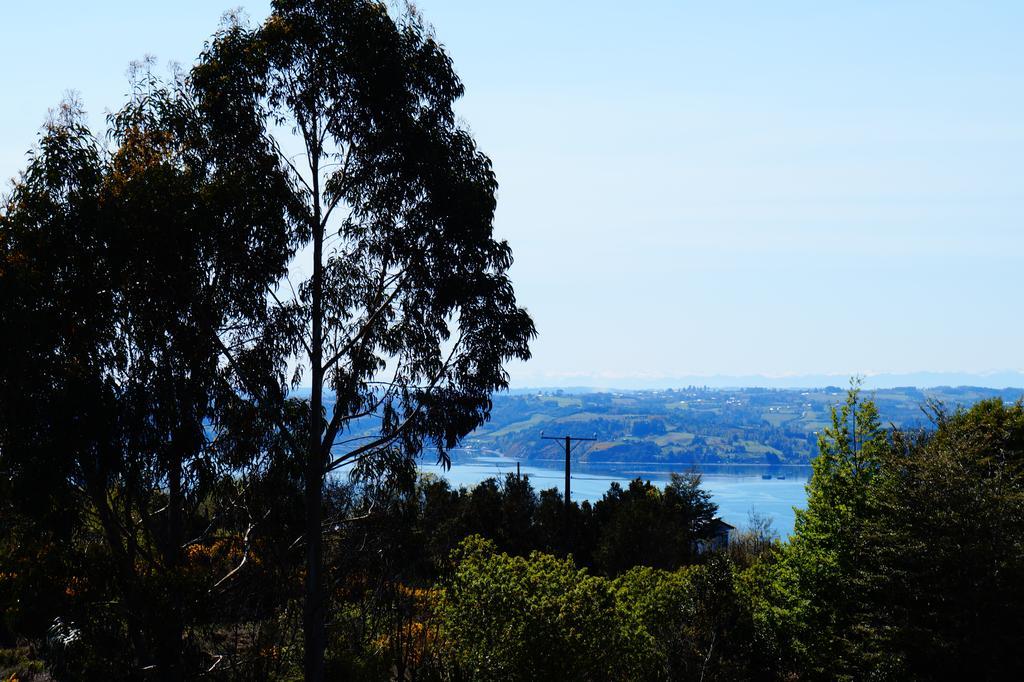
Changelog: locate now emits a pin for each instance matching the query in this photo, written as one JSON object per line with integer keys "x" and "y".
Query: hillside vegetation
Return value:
{"x": 695, "y": 425}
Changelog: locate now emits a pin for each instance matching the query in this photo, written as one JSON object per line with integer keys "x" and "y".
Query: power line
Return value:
{"x": 568, "y": 451}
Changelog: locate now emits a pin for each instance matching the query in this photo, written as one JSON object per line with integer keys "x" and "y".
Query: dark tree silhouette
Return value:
{"x": 127, "y": 272}
{"x": 407, "y": 314}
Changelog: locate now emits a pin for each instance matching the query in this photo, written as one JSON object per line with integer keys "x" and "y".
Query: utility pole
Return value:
{"x": 568, "y": 450}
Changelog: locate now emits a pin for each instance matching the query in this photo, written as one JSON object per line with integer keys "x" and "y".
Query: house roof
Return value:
{"x": 717, "y": 526}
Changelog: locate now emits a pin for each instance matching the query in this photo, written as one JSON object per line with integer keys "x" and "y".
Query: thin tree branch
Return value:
{"x": 349, "y": 150}
{"x": 337, "y": 419}
{"x": 245, "y": 554}
{"x": 275, "y": 418}
{"x": 388, "y": 438}
{"x": 364, "y": 328}
{"x": 280, "y": 304}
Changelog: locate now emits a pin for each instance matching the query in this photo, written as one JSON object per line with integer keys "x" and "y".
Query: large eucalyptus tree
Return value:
{"x": 405, "y": 312}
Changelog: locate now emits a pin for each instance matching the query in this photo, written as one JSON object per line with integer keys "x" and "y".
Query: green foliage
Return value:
{"x": 662, "y": 602}
{"x": 643, "y": 521}
{"x": 408, "y": 526}
{"x": 519, "y": 618}
{"x": 827, "y": 544}
{"x": 702, "y": 621}
{"x": 944, "y": 572}
{"x": 19, "y": 663}
{"x": 907, "y": 562}
{"x": 539, "y": 617}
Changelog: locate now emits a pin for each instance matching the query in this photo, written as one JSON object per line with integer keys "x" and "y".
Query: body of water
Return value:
{"x": 737, "y": 489}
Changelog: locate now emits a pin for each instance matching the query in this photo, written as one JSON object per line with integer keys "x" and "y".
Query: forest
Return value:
{"x": 221, "y": 360}
{"x": 906, "y": 564}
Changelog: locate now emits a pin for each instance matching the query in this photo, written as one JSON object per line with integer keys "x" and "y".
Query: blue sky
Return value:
{"x": 741, "y": 188}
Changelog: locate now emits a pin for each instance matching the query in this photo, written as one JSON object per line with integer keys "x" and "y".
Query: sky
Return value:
{"x": 691, "y": 189}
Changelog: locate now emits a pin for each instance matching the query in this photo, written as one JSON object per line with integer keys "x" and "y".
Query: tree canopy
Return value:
{"x": 407, "y": 314}
{"x": 151, "y": 278}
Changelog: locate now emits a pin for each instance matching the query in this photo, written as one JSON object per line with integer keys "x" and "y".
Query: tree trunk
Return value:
{"x": 170, "y": 622}
{"x": 315, "y": 607}
{"x": 124, "y": 576}
{"x": 314, "y": 611}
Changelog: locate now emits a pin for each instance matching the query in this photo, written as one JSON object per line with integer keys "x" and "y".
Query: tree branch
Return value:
{"x": 344, "y": 174}
{"x": 275, "y": 418}
{"x": 305, "y": 344}
{"x": 365, "y": 327}
{"x": 388, "y": 438}
{"x": 337, "y": 418}
{"x": 245, "y": 554}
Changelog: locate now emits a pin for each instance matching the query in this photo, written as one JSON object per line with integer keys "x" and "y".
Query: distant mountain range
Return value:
{"x": 581, "y": 384}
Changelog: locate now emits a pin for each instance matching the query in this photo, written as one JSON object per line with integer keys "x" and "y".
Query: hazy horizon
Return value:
{"x": 920, "y": 380}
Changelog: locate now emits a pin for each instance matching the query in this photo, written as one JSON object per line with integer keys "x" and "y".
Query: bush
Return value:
{"x": 537, "y": 617}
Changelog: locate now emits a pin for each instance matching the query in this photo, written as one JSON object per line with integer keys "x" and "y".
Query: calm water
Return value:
{"x": 735, "y": 488}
